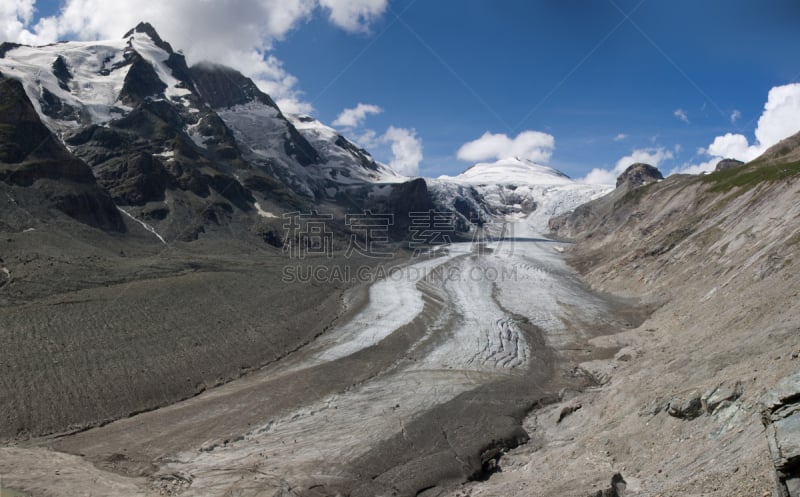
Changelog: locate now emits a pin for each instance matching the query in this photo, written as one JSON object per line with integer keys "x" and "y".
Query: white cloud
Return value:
{"x": 532, "y": 145}
{"x": 367, "y": 139}
{"x": 406, "y": 150}
{"x": 653, "y": 156}
{"x": 702, "y": 167}
{"x": 353, "y": 118}
{"x": 15, "y": 16}
{"x": 354, "y": 15}
{"x": 781, "y": 116}
{"x": 780, "y": 119}
{"x": 681, "y": 114}
{"x": 735, "y": 116}
{"x": 238, "y": 33}
{"x": 620, "y": 137}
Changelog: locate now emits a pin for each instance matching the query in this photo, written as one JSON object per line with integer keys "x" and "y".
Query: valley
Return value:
{"x": 174, "y": 319}
{"x": 386, "y": 400}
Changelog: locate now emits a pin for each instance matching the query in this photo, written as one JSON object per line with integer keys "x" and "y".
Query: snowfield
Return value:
{"x": 518, "y": 188}
{"x": 98, "y": 70}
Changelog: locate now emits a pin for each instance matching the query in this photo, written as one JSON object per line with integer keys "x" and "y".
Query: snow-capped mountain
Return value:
{"x": 340, "y": 154}
{"x": 80, "y": 83}
{"x": 514, "y": 187}
{"x": 185, "y": 149}
{"x": 330, "y": 163}
{"x": 509, "y": 172}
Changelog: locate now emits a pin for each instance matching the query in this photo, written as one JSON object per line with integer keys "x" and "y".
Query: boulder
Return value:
{"x": 781, "y": 417}
{"x": 686, "y": 406}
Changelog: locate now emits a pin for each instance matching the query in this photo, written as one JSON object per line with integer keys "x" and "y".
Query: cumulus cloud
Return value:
{"x": 699, "y": 168}
{"x": 353, "y": 118}
{"x": 239, "y": 33}
{"x": 367, "y": 139}
{"x": 406, "y": 150}
{"x": 15, "y": 17}
{"x": 532, "y": 145}
{"x": 780, "y": 119}
{"x": 681, "y": 114}
{"x": 653, "y": 156}
{"x": 354, "y": 15}
{"x": 620, "y": 137}
{"x": 735, "y": 116}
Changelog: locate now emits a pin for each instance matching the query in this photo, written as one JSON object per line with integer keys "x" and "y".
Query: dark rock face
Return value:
{"x": 53, "y": 107}
{"x": 223, "y": 87}
{"x": 62, "y": 73}
{"x": 6, "y": 46}
{"x": 32, "y": 157}
{"x": 639, "y": 175}
{"x": 364, "y": 158}
{"x": 406, "y": 198}
{"x": 781, "y": 417}
{"x": 728, "y": 164}
{"x": 141, "y": 81}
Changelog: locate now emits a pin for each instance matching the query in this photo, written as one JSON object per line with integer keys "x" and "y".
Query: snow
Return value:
{"x": 143, "y": 224}
{"x": 90, "y": 89}
{"x": 516, "y": 188}
{"x": 257, "y": 126}
{"x": 323, "y": 138}
{"x": 98, "y": 75}
{"x": 510, "y": 171}
{"x": 263, "y": 213}
{"x": 195, "y": 136}
{"x": 167, "y": 154}
{"x": 157, "y": 57}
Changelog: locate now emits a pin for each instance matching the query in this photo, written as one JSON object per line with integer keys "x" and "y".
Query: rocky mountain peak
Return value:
{"x": 639, "y": 174}
{"x": 148, "y": 29}
{"x": 224, "y": 87}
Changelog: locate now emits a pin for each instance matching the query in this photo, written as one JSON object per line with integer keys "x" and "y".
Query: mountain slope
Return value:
{"x": 37, "y": 172}
{"x": 680, "y": 408}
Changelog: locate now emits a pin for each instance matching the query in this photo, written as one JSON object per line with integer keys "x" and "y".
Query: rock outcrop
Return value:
{"x": 639, "y": 175}
{"x": 728, "y": 164}
{"x": 781, "y": 417}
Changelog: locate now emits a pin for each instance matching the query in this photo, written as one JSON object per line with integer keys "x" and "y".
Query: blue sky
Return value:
{"x": 666, "y": 80}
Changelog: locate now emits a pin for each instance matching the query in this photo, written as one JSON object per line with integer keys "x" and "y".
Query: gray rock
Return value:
{"x": 715, "y": 397}
{"x": 639, "y": 175}
{"x": 781, "y": 417}
{"x": 568, "y": 411}
{"x": 728, "y": 164}
{"x": 686, "y": 406}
